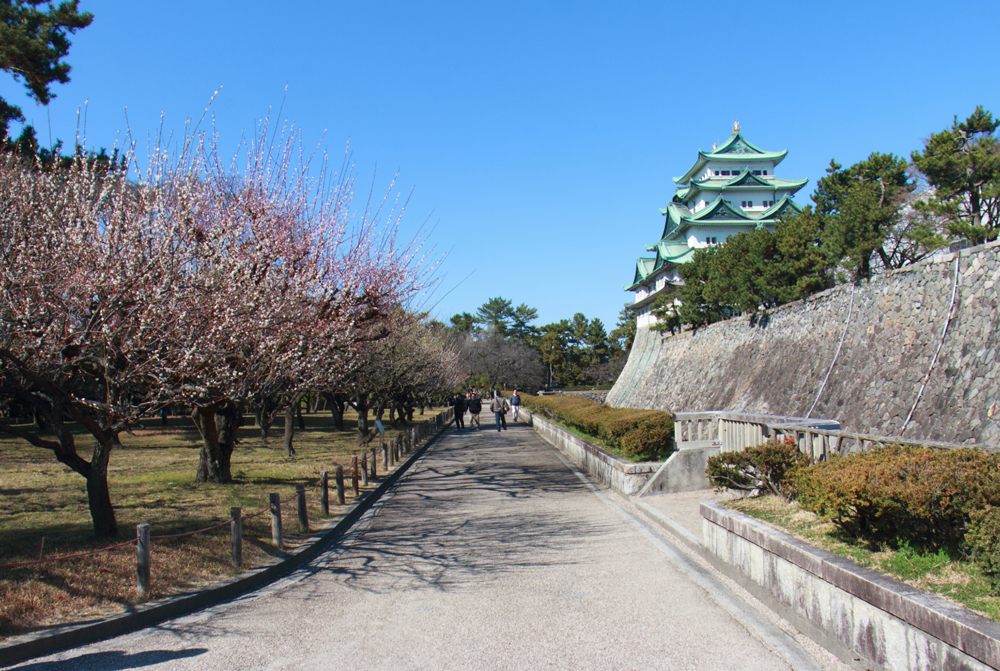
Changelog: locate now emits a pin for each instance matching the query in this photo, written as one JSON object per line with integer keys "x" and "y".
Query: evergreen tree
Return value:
{"x": 496, "y": 314}
{"x": 623, "y": 335}
{"x": 695, "y": 307}
{"x": 804, "y": 267}
{"x": 962, "y": 165}
{"x": 861, "y": 207}
{"x": 463, "y": 322}
{"x": 33, "y": 43}
{"x": 520, "y": 329}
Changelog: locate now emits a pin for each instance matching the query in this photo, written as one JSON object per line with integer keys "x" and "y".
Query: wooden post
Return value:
{"x": 374, "y": 462}
{"x": 354, "y": 475}
{"x": 324, "y": 492}
{"x": 276, "y": 521}
{"x": 236, "y": 526}
{"x": 364, "y": 469}
{"x": 300, "y": 499}
{"x": 142, "y": 559}
{"x": 385, "y": 459}
{"x": 340, "y": 484}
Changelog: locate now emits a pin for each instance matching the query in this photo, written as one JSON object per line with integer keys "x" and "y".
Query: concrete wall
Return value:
{"x": 893, "y": 326}
{"x": 854, "y": 612}
{"x": 624, "y": 476}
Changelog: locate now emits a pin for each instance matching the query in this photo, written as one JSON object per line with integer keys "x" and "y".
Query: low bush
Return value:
{"x": 639, "y": 435}
{"x": 982, "y": 542}
{"x": 900, "y": 494}
{"x": 761, "y": 469}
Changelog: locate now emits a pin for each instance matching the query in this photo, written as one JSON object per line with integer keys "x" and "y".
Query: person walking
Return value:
{"x": 498, "y": 406}
{"x": 515, "y": 403}
{"x": 475, "y": 407}
{"x": 460, "y": 406}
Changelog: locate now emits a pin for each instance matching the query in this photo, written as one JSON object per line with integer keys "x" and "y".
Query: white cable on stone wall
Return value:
{"x": 833, "y": 363}
{"x": 944, "y": 332}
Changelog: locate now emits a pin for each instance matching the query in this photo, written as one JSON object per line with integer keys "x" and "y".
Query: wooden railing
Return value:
{"x": 820, "y": 438}
{"x": 822, "y": 444}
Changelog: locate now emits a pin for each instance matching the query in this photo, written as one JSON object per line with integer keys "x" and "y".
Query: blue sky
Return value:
{"x": 539, "y": 139}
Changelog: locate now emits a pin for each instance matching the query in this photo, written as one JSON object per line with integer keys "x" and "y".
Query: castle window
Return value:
{"x": 763, "y": 172}
{"x": 725, "y": 172}
{"x": 756, "y": 172}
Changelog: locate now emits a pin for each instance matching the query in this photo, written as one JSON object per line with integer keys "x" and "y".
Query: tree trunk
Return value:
{"x": 228, "y": 418}
{"x": 210, "y": 459}
{"x": 289, "y": 429}
{"x": 102, "y": 513}
{"x": 298, "y": 413}
{"x": 362, "y": 407}
{"x": 337, "y": 407}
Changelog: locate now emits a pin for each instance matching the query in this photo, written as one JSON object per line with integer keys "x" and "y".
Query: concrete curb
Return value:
{"x": 71, "y": 636}
{"x": 855, "y": 612}
{"x": 671, "y": 526}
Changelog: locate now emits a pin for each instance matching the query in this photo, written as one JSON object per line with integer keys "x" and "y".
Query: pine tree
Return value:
{"x": 962, "y": 165}
{"x": 33, "y": 43}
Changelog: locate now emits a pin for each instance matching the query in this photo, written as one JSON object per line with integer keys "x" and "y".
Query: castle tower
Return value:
{"x": 729, "y": 189}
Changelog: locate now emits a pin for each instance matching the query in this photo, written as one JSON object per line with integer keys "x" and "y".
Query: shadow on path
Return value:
{"x": 115, "y": 660}
{"x": 480, "y": 505}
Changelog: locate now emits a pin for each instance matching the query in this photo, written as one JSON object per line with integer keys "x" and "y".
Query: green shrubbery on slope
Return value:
{"x": 637, "y": 435}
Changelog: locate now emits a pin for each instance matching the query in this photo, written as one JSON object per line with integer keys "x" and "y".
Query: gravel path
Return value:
{"x": 491, "y": 554}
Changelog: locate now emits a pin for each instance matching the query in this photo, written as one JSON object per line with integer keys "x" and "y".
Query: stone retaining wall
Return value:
{"x": 893, "y": 327}
{"x": 854, "y": 612}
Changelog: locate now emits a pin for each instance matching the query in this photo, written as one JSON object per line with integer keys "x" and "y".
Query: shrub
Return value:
{"x": 652, "y": 438}
{"x": 982, "y": 541}
{"x": 635, "y": 434}
{"x": 897, "y": 494}
{"x": 761, "y": 469}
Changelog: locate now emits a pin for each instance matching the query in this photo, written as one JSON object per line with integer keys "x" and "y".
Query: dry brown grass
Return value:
{"x": 43, "y": 510}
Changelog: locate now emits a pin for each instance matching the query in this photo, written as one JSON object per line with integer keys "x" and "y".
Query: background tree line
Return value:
{"x": 880, "y": 213}
{"x": 499, "y": 346}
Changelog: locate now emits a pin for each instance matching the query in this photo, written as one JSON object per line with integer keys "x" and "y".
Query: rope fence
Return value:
{"x": 392, "y": 452}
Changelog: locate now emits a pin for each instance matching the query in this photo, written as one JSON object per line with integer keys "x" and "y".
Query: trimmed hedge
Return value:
{"x": 983, "y": 542}
{"x": 639, "y": 435}
{"x": 902, "y": 494}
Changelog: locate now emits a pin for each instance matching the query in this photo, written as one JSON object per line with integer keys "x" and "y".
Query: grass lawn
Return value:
{"x": 44, "y": 513}
{"x": 951, "y": 577}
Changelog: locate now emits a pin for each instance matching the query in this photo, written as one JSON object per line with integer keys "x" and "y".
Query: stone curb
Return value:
{"x": 952, "y": 625}
{"x": 71, "y": 636}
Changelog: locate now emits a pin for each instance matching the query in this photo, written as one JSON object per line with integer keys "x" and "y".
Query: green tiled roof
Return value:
{"x": 643, "y": 267}
{"x": 735, "y": 149}
{"x": 745, "y": 181}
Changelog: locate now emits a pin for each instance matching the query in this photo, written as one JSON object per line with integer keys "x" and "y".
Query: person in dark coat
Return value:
{"x": 458, "y": 402}
{"x": 475, "y": 407}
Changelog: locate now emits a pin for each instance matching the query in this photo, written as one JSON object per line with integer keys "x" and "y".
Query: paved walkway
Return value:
{"x": 491, "y": 554}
